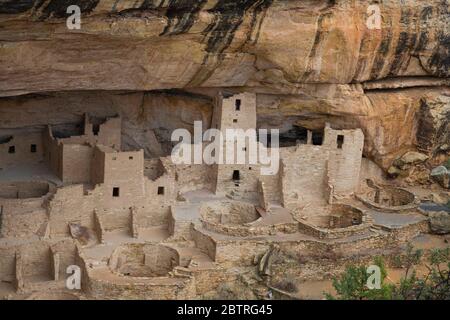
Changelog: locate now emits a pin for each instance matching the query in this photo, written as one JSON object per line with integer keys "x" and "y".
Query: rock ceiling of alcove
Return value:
{"x": 276, "y": 44}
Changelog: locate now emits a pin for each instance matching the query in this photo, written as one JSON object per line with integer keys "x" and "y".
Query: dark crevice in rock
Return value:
{"x": 181, "y": 93}
{"x": 404, "y": 82}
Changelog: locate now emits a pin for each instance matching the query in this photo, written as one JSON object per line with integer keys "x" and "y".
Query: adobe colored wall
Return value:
{"x": 18, "y": 150}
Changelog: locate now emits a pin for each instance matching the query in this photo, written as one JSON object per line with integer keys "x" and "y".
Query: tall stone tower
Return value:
{"x": 236, "y": 111}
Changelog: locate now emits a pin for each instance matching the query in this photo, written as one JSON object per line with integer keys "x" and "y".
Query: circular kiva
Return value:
{"x": 232, "y": 218}
{"x": 390, "y": 199}
{"x": 340, "y": 221}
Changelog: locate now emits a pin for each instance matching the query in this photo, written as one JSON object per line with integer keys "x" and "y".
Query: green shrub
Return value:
{"x": 435, "y": 285}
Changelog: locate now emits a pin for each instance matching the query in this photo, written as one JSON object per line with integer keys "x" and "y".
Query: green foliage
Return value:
{"x": 447, "y": 164}
{"x": 352, "y": 285}
{"x": 435, "y": 285}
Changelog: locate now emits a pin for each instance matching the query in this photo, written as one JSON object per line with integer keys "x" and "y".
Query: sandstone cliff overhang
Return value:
{"x": 152, "y": 44}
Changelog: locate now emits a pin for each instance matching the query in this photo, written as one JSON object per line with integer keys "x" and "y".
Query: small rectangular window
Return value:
{"x": 116, "y": 192}
{"x": 33, "y": 148}
{"x": 340, "y": 141}
{"x": 238, "y": 104}
{"x": 131, "y": 158}
{"x": 160, "y": 190}
{"x": 236, "y": 175}
{"x": 12, "y": 149}
{"x": 234, "y": 120}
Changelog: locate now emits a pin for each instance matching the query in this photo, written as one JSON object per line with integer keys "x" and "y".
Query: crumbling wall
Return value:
{"x": 65, "y": 250}
{"x": 109, "y": 132}
{"x": 37, "y": 260}
{"x": 239, "y": 252}
{"x": 205, "y": 243}
{"x": 141, "y": 289}
{"x": 23, "y": 189}
{"x": 70, "y": 204}
{"x": 144, "y": 260}
{"x": 22, "y": 208}
{"x": 193, "y": 177}
{"x": 115, "y": 219}
{"x": 160, "y": 194}
{"x": 23, "y": 218}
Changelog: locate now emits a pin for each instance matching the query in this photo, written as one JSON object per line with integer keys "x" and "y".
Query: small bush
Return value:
{"x": 435, "y": 285}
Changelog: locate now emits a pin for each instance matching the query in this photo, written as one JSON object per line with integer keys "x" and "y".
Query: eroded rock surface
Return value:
{"x": 153, "y": 44}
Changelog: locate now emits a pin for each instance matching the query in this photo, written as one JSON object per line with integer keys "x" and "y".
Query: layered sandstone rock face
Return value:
{"x": 310, "y": 61}
{"x": 154, "y": 44}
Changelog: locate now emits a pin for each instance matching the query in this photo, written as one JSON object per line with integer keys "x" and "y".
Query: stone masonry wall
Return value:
{"x": 76, "y": 163}
{"x": 21, "y": 149}
{"x": 237, "y": 111}
{"x": 303, "y": 175}
{"x": 344, "y": 164}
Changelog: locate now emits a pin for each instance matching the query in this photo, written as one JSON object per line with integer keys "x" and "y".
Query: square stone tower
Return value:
{"x": 236, "y": 111}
